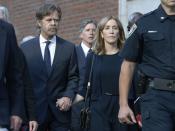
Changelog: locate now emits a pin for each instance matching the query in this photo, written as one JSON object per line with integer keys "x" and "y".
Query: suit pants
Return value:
{"x": 51, "y": 124}
{"x": 75, "y": 118}
{"x": 158, "y": 110}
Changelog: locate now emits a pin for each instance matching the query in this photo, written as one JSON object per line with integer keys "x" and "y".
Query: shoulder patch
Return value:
{"x": 133, "y": 28}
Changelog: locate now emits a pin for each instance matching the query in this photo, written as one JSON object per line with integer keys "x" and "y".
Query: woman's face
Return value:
{"x": 110, "y": 33}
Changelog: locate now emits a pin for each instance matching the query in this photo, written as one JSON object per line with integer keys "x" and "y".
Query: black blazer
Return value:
{"x": 62, "y": 81}
{"x": 11, "y": 89}
{"x": 29, "y": 97}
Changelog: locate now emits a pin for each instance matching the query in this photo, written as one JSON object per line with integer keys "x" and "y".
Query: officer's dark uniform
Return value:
{"x": 152, "y": 45}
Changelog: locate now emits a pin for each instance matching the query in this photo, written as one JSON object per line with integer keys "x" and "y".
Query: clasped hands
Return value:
{"x": 64, "y": 103}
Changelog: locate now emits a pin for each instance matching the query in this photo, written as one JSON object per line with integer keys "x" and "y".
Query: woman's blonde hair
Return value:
{"x": 99, "y": 45}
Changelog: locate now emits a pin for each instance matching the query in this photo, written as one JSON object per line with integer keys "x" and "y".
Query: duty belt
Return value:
{"x": 162, "y": 84}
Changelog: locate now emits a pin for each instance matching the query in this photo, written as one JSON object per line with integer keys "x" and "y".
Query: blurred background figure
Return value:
{"x": 29, "y": 100}
{"x": 4, "y": 14}
{"x": 11, "y": 89}
{"x": 132, "y": 19}
{"x": 26, "y": 38}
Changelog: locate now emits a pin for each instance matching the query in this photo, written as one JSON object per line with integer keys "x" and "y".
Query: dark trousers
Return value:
{"x": 51, "y": 124}
{"x": 104, "y": 112}
{"x": 75, "y": 118}
{"x": 158, "y": 110}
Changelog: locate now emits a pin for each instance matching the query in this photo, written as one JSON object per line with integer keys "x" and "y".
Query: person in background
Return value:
{"x": 29, "y": 100}
{"x": 151, "y": 44}
{"x": 53, "y": 69}
{"x": 26, "y": 38}
{"x": 4, "y": 14}
{"x": 87, "y": 33}
{"x": 132, "y": 19}
{"x": 11, "y": 88}
{"x": 104, "y": 94}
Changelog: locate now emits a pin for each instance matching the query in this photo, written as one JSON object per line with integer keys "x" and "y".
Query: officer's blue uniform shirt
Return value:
{"x": 152, "y": 44}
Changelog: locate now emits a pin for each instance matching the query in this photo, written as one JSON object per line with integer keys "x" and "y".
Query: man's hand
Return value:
{"x": 64, "y": 103}
{"x": 33, "y": 125}
{"x": 15, "y": 123}
{"x": 126, "y": 116}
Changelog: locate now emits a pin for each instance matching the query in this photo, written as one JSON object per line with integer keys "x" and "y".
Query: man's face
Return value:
{"x": 49, "y": 25}
{"x": 168, "y": 3}
{"x": 88, "y": 33}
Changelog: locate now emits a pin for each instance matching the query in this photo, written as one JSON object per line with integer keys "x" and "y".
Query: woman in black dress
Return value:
{"x": 105, "y": 76}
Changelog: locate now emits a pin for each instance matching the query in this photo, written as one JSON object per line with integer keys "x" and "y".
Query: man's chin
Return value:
{"x": 52, "y": 34}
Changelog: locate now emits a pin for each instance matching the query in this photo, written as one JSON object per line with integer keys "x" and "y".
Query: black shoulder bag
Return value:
{"x": 85, "y": 114}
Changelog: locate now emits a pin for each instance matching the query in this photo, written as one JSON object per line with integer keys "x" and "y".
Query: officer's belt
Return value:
{"x": 163, "y": 84}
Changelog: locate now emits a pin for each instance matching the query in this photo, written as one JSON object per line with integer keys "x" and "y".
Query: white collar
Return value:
{"x": 43, "y": 40}
{"x": 85, "y": 48}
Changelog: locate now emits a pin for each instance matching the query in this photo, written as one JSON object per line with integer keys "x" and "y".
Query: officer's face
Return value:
{"x": 49, "y": 25}
{"x": 110, "y": 33}
{"x": 88, "y": 33}
{"x": 168, "y": 3}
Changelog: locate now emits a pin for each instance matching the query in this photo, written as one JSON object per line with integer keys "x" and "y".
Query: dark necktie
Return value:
{"x": 47, "y": 58}
{"x": 89, "y": 51}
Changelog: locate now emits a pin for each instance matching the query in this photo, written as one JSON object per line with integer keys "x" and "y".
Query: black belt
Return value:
{"x": 162, "y": 84}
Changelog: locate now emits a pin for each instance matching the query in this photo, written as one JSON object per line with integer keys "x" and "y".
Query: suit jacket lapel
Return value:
{"x": 57, "y": 56}
{"x": 81, "y": 54}
{"x": 2, "y": 49}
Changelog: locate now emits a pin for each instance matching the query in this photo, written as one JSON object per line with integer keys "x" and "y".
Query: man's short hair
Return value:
{"x": 85, "y": 22}
{"x": 46, "y": 10}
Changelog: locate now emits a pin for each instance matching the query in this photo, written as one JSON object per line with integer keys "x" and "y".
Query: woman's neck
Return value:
{"x": 111, "y": 49}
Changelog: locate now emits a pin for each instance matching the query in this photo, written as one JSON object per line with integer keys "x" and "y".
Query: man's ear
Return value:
{"x": 81, "y": 35}
{"x": 38, "y": 23}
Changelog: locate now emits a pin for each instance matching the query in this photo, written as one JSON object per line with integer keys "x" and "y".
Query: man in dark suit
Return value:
{"x": 53, "y": 69}
{"x": 29, "y": 118}
{"x": 87, "y": 33}
{"x": 29, "y": 100}
{"x": 11, "y": 89}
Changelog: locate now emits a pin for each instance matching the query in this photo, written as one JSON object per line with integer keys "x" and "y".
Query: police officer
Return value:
{"x": 152, "y": 45}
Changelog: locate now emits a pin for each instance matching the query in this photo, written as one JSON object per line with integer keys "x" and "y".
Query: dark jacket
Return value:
{"x": 11, "y": 89}
{"x": 62, "y": 80}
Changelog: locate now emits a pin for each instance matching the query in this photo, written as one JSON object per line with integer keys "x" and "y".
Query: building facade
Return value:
{"x": 22, "y": 15}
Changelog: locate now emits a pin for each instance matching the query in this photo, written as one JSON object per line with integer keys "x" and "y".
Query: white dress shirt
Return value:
{"x": 3, "y": 129}
{"x": 85, "y": 48}
{"x": 52, "y": 46}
